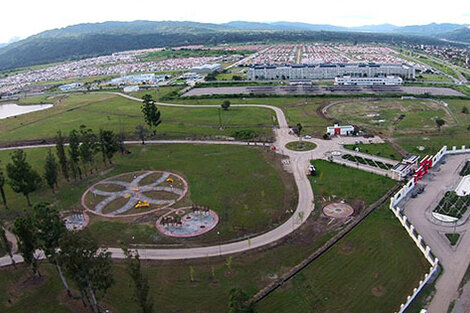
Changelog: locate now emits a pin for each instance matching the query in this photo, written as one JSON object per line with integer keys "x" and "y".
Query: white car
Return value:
{"x": 307, "y": 137}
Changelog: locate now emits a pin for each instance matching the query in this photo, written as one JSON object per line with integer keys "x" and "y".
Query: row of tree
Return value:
{"x": 76, "y": 256}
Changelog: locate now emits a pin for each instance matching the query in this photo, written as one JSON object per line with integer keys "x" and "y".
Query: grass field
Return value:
{"x": 120, "y": 114}
{"x": 348, "y": 183}
{"x": 433, "y": 77}
{"x": 392, "y": 116}
{"x": 373, "y": 269}
{"x": 246, "y": 186}
{"x": 384, "y": 150}
{"x": 379, "y": 237}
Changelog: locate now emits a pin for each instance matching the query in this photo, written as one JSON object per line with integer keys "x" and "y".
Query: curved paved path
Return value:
{"x": 299, "y": 163}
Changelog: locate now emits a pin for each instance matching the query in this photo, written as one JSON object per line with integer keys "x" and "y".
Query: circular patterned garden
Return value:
{"x": 187, "y": 222}
{"x": 301, "y": 145}
{"x": 134, "y": 194}
{"x": 338, "y": 210}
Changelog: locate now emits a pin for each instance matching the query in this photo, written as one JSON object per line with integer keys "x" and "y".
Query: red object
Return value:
{"x": 337, "y": 131}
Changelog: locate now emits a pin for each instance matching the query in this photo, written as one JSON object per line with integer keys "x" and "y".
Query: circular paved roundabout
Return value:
{"x": 338, "y": 210}
{"x": 134, "y": 194}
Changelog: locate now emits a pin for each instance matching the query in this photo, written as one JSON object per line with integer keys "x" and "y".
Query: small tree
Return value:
{"x": 152, "y": 115}
{"x": 50, "y": 228}
{"x": 74, "y": 154}
{"x": 225, "y": 105}
{"x": 439, "y": 123}
{"x": 108, "y": 145}
{"x": 87, "y": 265}
{"x": 60, "y": 150}
{"x": 87, "y": 148}
{"x": 27, "y": 241}
{"x": 5, "y": 244}
{"x": 22, "y": 178}
{"x": 238, "y": 302}
{"x": 51, "y": 170}
{"x": 2, "y": 187}
{"x": 141, "y": 284}
{"x": 141, "y": 132}
{"x": 464, "y": 110}
{"x": 299, "y": 129}
{"x": 120, "y": 138}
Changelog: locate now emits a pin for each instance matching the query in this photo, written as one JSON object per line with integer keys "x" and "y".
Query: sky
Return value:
{"x": 22, "y": 18}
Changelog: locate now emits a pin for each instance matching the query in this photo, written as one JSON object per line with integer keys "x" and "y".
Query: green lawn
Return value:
{"x": 246, "y": 186}
{"x": 384, "y": 150}
{"x": 394, "y": 116}
{"x": 348, "y": 183}
{"x": 358, "y": 263}
{"x": 433, "y": 77}
{"x": 453, "y": 238}
{"x": 373, "y": 269}
{"x": 301, "y": 145}
{"x": 120, "y": 114}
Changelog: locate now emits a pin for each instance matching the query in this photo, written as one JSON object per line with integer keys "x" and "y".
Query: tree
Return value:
{"x": 5, "y": 244}
{"x": 60, "y": 150}
{"x": 141, "y": 285}
{"x": 439, "y": 123}
{"x": 2, "y": 187}
{"x": 87, "y": 148}
{"x": 87, "y": 265}
{"x": 108, "y": 145}
{"x": 141, "y": 132}
{"x": 464, "y": 110}
{"x": 152, "y": 115}
{"x": 22, "y": 178}
{"x": 238, "y": 302}
{"x": 51, "y": 170}
{"x": 120, "y": 138}
{"x": 27, "y": 241}
{"x": 225, "y": 105}
{"x": 50, "y": 228}
{"x": 299, "y": 129}
{"x": 74, "y": 154}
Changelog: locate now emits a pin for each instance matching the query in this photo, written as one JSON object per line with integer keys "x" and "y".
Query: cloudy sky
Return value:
{"x": 27, "y": 17}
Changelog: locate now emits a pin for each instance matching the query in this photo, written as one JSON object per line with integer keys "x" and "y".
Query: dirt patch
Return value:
{"x": 378, "y": 291}
{"x": 16, "y": 291}
{"x": 358, "y": 205}
{"x": 346, "y": 248}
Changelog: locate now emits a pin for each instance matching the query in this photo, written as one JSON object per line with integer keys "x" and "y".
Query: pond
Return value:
{"x": 11, "y": 109}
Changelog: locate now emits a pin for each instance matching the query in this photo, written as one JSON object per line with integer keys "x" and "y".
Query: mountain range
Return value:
{"x": 92, "y": 39}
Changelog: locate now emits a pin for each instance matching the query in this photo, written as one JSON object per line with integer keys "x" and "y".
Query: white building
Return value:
{"x": 128, "y": 89}
{"x": 336, "y": 129}
{"x": 206, "y": 68}
{"x": 71, "y": 86}
{"x": 368, "y": 81}
{"x": 329, "y": 71}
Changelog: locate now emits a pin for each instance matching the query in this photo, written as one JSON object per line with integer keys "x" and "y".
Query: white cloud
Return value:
{"x": 27, "y": 17}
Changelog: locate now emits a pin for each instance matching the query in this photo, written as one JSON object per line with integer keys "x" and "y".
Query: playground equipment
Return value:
{"x": 170, "y": 180}
{"x": 142, "y": 204}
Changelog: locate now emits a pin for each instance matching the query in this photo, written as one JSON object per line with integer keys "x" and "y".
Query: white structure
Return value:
{"x": 128, "y": 89}
{"x": 149, "y": 78}
{"x": 368, "y": 81}
{"x": 71, "y": 86}
{"x": 346, "y": 130}
{"x": 329, "y": 71}
{"x": 407, "y": 166}
{"x": 207, "y": 68}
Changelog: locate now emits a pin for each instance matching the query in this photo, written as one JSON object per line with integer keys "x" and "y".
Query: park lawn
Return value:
{"x": 384, "y": 150}
{"x": 246, "y": 186}
{"x": 229, "y": 76}
{"x": 348, "y": 183}
{"x": 433, "y": 142}
{"x": 119, "y": 114}
{"x": 392, "y": 116}
{"x": 372, "y": 269}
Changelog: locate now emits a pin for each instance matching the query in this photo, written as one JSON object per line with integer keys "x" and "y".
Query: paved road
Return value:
{"x": 454, "y": 260}
{"x": 299, "y": 161}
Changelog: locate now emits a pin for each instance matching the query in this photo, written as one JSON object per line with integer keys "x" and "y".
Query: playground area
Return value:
{"x": 338, "y": 210}
{"x": 134, "y": 194}
{"x": 76, "y": 221}
{"x": 187, "y": 222}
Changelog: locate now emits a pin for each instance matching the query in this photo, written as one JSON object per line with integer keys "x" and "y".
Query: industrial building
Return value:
{"x": 207, "y": 68}
{"x": 368, "y": 81}
{"x": 71, "y": 86}
{"x": 137, "y": 79}
{"x": 329, "y": 71}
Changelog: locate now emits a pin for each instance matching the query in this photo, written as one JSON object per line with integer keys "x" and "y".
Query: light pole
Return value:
{"x": 220, "y": 245}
